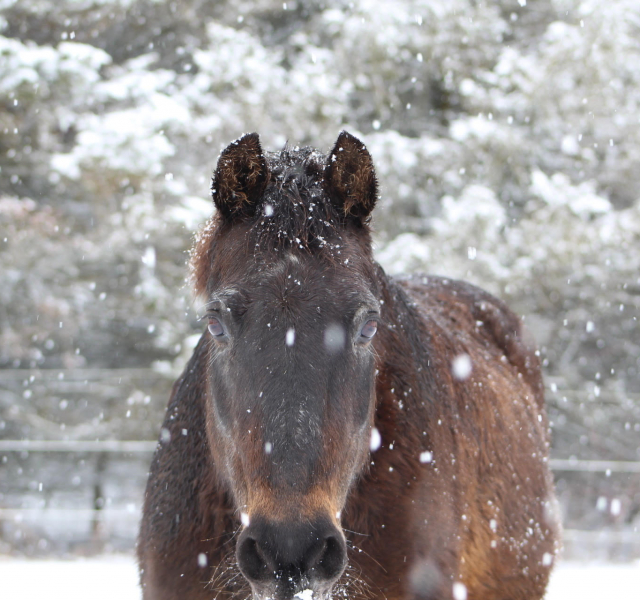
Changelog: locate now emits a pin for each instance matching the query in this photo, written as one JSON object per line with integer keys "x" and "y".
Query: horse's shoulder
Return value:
{"x": 461, "y": 308}
{"x": 457, "y": 298}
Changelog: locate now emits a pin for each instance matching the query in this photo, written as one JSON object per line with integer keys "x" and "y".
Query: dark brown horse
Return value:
{"x": 337, "y": 431}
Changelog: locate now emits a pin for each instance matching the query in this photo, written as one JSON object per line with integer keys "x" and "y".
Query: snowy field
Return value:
{"x": 116, "y": 578}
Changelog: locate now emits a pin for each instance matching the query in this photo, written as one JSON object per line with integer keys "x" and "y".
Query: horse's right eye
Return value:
{"x": 369, "y": 329}
{"x": 215, "y": 327}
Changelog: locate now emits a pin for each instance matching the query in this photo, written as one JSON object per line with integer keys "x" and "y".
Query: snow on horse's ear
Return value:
{"x": 240, "y": 178}
{"x": 351, "y": 178}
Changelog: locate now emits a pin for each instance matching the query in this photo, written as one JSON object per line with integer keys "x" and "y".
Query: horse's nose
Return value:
{"x": 312, "y": 551}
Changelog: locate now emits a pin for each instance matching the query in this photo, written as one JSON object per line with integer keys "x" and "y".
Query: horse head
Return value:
{"x": 286, "y": 276}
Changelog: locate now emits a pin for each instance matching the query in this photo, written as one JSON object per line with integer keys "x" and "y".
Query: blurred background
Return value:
{"x": 506, "y": 136}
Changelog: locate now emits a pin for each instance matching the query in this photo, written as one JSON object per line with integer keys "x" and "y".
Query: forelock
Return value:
{"x": 296, "y": 211}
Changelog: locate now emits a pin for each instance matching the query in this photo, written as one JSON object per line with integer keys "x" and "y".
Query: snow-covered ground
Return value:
{"x": 116, "y": 577}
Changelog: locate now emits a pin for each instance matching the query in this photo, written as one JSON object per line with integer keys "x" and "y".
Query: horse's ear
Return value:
{"x": 240, "y": 178}
{"x": 351, "y": 178}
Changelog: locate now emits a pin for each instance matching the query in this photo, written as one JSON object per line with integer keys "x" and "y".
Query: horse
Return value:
{"x": 339, "y": 432}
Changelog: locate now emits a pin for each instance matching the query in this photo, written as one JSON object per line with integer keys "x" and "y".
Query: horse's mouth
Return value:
{"x": 292, "y": 592}
{"x": 306, "y": 594}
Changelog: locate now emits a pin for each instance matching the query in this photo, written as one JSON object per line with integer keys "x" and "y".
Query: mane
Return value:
{"x": 294, "y": 213}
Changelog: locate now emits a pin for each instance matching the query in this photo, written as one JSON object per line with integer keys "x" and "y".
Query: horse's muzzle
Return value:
{"x": 283, "y": 559}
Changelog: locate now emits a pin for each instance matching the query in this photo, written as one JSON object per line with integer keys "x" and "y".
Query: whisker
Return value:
{"x": 357, "y": 533}
{"x": 367, "y": 554}
{"x": 226, "y": 579}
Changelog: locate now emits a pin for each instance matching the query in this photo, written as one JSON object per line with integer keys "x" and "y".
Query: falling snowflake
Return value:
{"x": 461, "y": 367}
{"x": 376, "y": 440}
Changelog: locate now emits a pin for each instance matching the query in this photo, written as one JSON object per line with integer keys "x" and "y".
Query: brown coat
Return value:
{"x": 274, "y": 479}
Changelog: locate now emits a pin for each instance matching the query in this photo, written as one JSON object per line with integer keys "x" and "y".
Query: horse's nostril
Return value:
{"x": 333, "y": 559}
{"x": 251, "y": 561}
{"x": 326, "y": 558}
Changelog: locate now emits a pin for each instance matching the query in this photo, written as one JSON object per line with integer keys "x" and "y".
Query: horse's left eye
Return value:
{"x": 215, "y": 327}
{"x": 369, "y": 330}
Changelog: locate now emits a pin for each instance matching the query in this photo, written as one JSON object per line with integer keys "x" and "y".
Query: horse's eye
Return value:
{"x": 369, "y": 330}
{"x": 215, "y": 327}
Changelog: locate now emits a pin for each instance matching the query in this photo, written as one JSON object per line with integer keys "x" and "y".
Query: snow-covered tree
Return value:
{"x": 506, "y": 137}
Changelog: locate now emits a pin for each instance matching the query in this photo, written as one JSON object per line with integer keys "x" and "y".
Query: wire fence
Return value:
{"x": 66, "y": 480}
{"x": 147, "y": 447}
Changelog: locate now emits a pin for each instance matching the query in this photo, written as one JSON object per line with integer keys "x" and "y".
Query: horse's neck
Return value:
{"x": 397, "y": 307}
{"x": 401, "y": 350}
